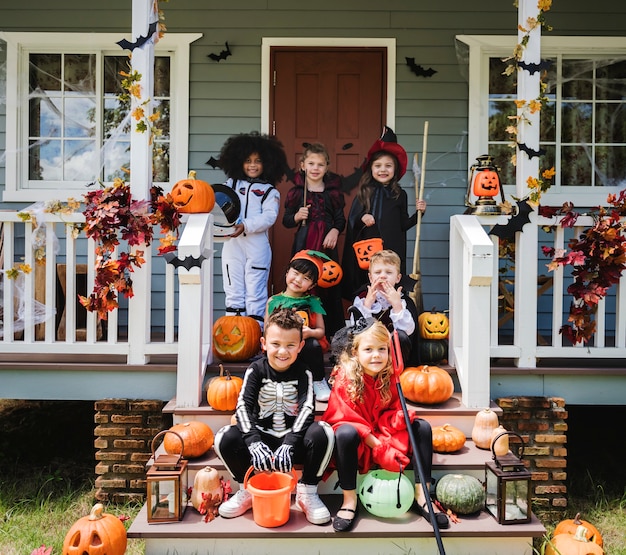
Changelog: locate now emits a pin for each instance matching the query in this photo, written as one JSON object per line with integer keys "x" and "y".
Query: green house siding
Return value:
{"x": 225, "y": 97}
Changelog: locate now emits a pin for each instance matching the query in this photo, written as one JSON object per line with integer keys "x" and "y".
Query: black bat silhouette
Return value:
{"x": 127, "y": 45}
{"x": 222, "y": 55}
{"x": 516, "y": 223}
{"x": 419, "y": 70}
{"x": 534, "y": 68}
{"x": 531, "y": 153}
{"x": 188, "y": 263}
{"x": 213, "y": 162}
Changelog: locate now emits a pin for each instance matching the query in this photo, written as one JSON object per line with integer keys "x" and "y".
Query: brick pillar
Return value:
{"x": 541, "y": 422}
{"x": 124, "y": 432}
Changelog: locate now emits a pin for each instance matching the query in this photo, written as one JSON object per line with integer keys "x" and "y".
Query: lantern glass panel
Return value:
{"x": 491, "y": 501}
{"x": 515, "y": 496}
{"x": 164, "y": 493}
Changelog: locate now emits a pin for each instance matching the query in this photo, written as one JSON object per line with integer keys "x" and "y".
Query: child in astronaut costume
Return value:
{"x": 254, "y": 164}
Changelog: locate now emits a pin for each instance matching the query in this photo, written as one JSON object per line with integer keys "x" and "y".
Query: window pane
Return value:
{"x": 163, "y": 123}
{"x": 80, "y": 161}
{"x": 610, "y": 164}
{"x": 116, "y": 157}
{"x": 500, "y": 86}
{"x": 161, "y": 163}
{"x": 576, "y": 126}
{"x": 45, "y": 72}
{"x": 547, "y": 120}
{"x": 162, "y": 76}
{"x": 577, "y": 79}
{"x": 499, "y": 112}
{"x": 114, "y": 114}
{"x": 611, "y": 81}
{"x": 44, "y": 160}
{"x": 79, "y": 74}
{"x": 502, "y": 159}
{"x": 610, "y": 123}
{"x": 44, "y": 117}
{"x": 112, "y": 78}
{"x": 80, "y": 116}
{"x": 575, "y": 165}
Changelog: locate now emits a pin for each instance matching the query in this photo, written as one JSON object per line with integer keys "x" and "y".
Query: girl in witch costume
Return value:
{"x": 315, "y": 206}
{"x": 302, "y": 274}
{"x": 254, "y": 164}
{"x": 366, "y": 415}
{"x": 379, "y": 209}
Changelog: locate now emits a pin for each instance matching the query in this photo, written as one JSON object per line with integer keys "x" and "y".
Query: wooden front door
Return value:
{"x": 335, "y": 96}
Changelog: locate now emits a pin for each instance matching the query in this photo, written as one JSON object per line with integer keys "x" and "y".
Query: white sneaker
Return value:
{"x": 311, "y": 505}
{"x": 237, "y": 505}
{"x": 321, "y": 390}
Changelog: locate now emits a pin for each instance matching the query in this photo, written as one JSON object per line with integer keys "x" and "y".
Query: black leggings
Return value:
{"x": 347, "y": 443}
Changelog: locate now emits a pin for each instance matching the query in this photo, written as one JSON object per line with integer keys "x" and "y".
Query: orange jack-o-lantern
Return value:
{"x": 331, "y": 274}
{"x": 433, "y": 325}
{"x": 305, "y": 317}
{"x": 236, "y": 338}
{"x": 97, "y": 534}
{"x": 192, "y": 195}
{"x": 365, "y": 249}
{"x": 486, "y": 183}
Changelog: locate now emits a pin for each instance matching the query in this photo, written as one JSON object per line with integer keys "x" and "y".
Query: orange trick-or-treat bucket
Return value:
{"x": 271, "y": 496}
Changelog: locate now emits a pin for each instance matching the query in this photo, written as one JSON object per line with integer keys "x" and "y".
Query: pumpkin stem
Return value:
{"x": 224, "y": 373}
{"x": 192, "y": 174}
{"x": 581, "y": 534}
{"x": 577, "y": 520}
{"x": 96, "y": 511}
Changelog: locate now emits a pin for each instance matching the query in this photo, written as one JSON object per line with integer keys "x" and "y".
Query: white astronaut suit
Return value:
{"x": 246, "y": 259}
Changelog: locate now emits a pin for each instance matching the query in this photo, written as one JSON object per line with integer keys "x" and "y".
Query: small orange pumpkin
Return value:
{"x": 97, "y": 534}
{"x": 364, "y": 250}
{"x": 332, "y": 274}
{"x": 573, "y": 544}
{"x": 569, "y": 526}
{"x": 486, "y": 183}
{"x": 426, "y": 384}
{"x": 197, "y": 439}
{"x": 193, "y": 195}
{"x": 433, "y": 325}
{"x": 447, "y": 439}
{"x": 236, "y": 338}
{"x": 223, "y": 390}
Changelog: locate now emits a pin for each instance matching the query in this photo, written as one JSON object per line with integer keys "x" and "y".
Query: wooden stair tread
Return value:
{"x": 480, "y": 525}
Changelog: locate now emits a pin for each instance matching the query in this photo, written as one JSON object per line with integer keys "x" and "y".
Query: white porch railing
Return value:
{"x": 538, "y": 301}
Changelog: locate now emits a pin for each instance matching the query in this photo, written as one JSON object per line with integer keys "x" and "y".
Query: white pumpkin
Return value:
{"x": 207, "y": 481}
{"x": 485, "y": 423}
{"x": 501, "y": 446}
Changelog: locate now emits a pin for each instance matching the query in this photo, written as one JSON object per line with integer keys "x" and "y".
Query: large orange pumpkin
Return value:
{"x": 97, "y": 534}
{"x": 447, "y": 439}
{"x": 193, "y": 195}
{"x": 433, "y": 325}
{"x": 236, "y": 338}
{"x": 197, "y": 439}
{"x": 223, "y": 390}
{"x": 569, "y": 526}
{"x": 426, "y": 384}
{"x": 573, "y": 544}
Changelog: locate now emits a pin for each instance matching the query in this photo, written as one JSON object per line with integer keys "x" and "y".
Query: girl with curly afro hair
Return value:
{"x": 253, "y": 163}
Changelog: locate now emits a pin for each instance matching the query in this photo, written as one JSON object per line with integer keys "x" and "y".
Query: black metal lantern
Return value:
{"x": 507, "y": 480}
{"x": 483, "y": 187}
{"x": 166, "y": 483}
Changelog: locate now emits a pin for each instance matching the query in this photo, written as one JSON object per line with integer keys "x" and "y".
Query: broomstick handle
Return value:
{"x": 419, "y": 194}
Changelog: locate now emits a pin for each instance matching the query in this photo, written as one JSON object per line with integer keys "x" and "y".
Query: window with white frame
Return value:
{"x": 583, "y": 124}
{"x": 66, "y": 126}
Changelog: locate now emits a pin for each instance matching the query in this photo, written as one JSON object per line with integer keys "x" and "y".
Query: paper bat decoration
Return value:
{"x": 127, "y": 45}
{"x": 188, "y": 263}
{"x": 419, "y": 70}
{"x": 222, "y": 55}
{"x": 516, "y": 223}
{"x": 213, "y": 162}
{"x": 534, "y": 68}
{"x": 531, "y": 153}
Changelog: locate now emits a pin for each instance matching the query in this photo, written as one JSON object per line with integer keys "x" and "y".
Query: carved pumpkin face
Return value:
{"x": 236, "y": 338}
{"x": 97, "y": 534}
{"x": 331, "y": 274}
{"x": 486, "y": 183}
{"x": 365, "y": 249}
{"x": 192, "y": 195}
{"x": 305, "y": 317}
{"x": 433, "y": 325}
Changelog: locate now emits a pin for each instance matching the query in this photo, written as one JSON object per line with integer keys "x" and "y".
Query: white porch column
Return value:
{"x": 528, "y": 88}
{"x": 141, "y": 180}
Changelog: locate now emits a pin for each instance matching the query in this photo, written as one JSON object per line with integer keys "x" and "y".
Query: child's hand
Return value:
{"x": 282, "y": 458}
{"x": 368, "y": 220}
{"x": 330, "y": 241}
{"x": 393, "y": 295}
{"x": 302, "y": 214}
{"x": 238, "y": 230}
{"x": 261, "y": 456}
{"x": 420, "y": 205}
{"x": 389, "y": 457}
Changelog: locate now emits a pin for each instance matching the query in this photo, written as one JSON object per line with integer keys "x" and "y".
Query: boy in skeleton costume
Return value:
{"x": 275, "y": 421}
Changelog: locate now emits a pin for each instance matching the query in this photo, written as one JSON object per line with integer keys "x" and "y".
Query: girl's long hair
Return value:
{"x": 367, "y": 183}
{"x": 353, "y": 371}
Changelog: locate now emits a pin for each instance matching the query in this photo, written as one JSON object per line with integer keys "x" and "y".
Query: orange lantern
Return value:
{"x": 483, "y": 187}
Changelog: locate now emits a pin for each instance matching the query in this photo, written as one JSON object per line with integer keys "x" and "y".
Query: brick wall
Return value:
{"x": 541, "y": 422}
{"x": 124, "y": 431}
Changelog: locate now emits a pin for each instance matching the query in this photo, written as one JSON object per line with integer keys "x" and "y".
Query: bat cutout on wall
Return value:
{"x": 534, "y": 68}
{"x": 516, "y": 223}
{"x": 531, "y": 152}
{"x": 213, "y": 162}
{"x": 127, "y": 45}
{"x": 419, "y": 70}
{"x": 188, "y": 263}
{"x": 222, "y": 55}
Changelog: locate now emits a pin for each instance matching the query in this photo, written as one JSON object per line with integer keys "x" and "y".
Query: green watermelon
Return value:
{"x": 461, "y": 493}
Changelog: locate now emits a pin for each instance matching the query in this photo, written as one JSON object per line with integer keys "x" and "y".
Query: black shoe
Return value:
{"x": 344, "y": 524}
{"x": 442, "y": 519}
